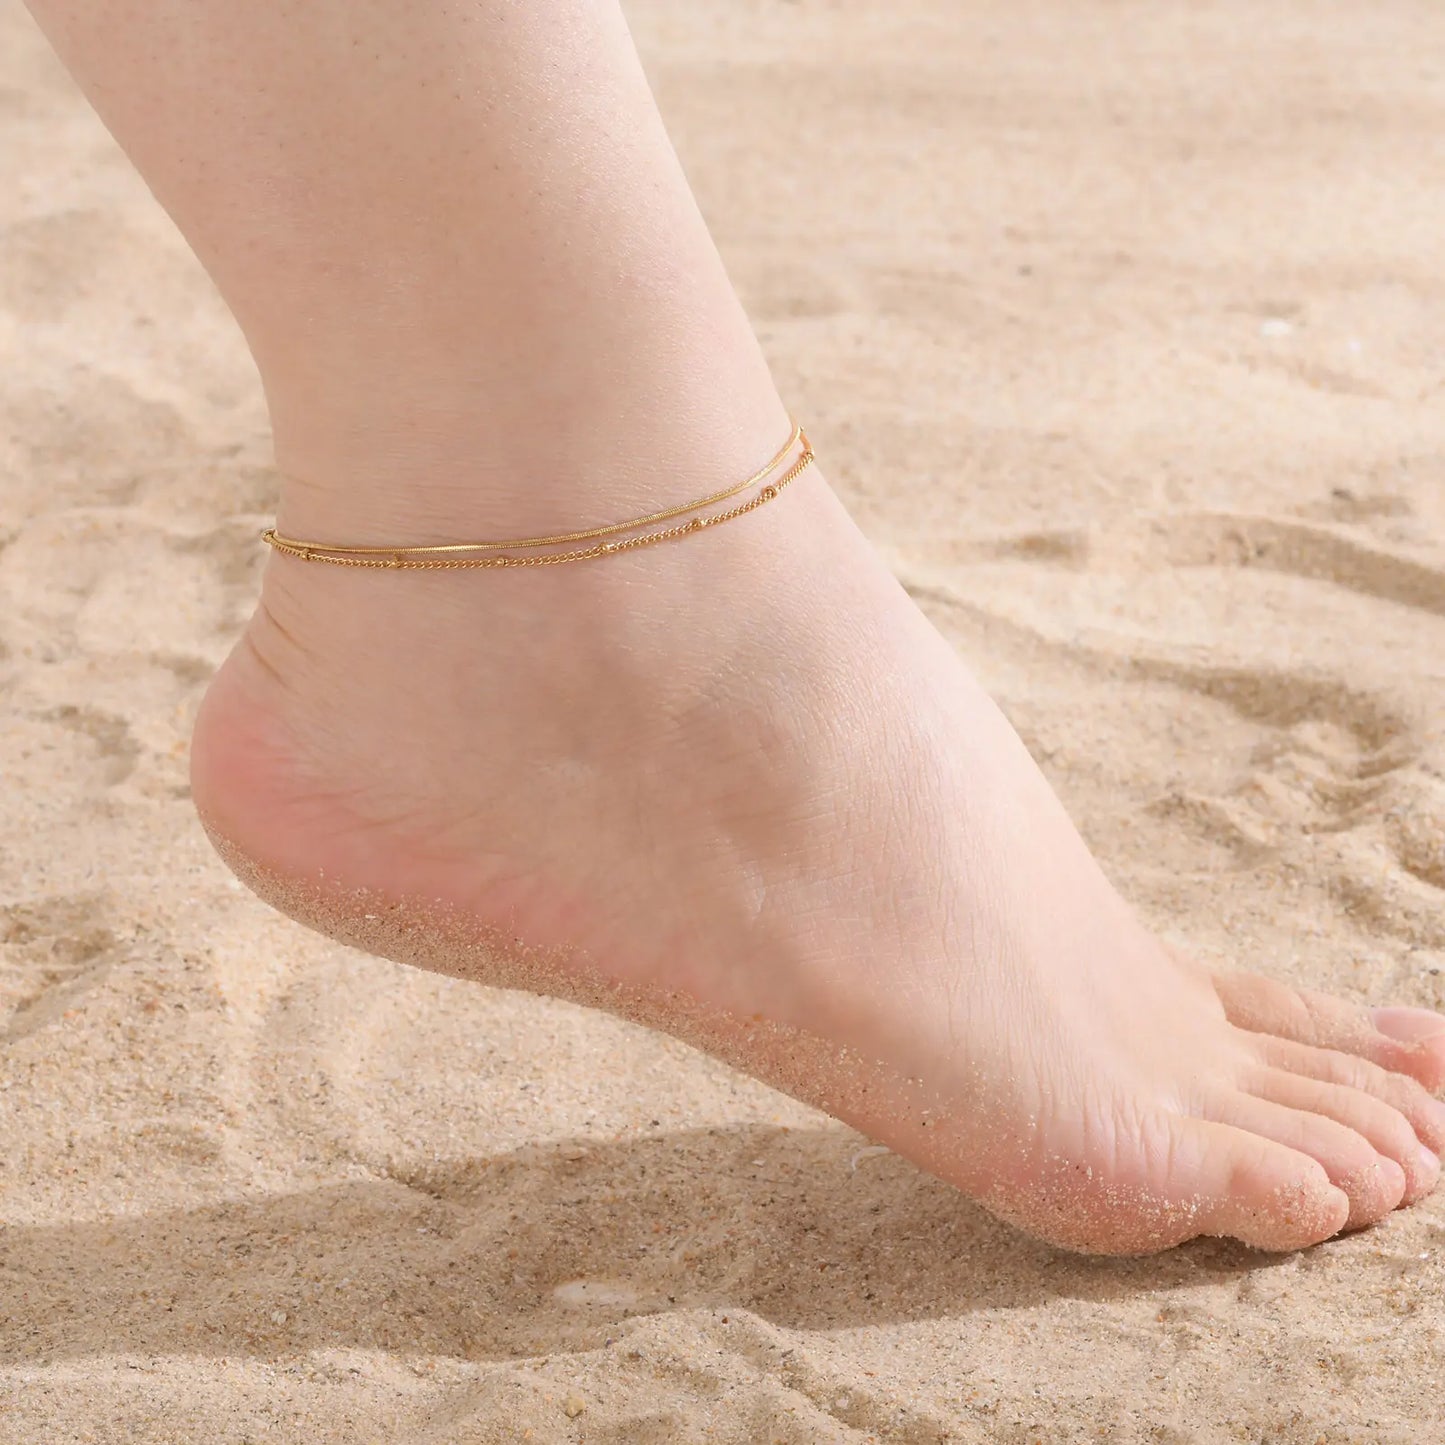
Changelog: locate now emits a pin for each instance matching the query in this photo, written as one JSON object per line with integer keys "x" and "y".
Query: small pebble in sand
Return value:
{"x": 572, "y": 1407}
{"x": 595, "y": 1292}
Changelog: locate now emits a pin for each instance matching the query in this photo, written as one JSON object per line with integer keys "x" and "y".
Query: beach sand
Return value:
{"x": 1119, "y": 326}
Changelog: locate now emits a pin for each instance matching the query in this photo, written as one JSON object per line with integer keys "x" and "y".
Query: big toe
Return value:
{"x": 1405, "y": 1040}
{"x": 1173, "y": 1177}
{"x": 1254, "y": 1189}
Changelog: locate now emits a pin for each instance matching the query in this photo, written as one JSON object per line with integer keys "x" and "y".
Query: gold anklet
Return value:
{"x": 444, "y": 555}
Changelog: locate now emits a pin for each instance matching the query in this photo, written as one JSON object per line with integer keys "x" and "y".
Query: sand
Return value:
{"x": 1120, "y": 327}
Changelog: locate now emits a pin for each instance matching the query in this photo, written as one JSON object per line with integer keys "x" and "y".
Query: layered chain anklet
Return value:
{"x": 503, "y": 554}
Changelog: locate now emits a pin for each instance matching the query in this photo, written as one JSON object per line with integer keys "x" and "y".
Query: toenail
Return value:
{"x": 1409, "y": 1025}
{"x": 1425, "y": 1161}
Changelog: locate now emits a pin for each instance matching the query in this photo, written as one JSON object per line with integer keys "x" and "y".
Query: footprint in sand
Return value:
{"x": 51, "y": 953}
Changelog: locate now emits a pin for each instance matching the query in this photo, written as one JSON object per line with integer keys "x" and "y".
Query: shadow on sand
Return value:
{"x": 548, "y": 1249}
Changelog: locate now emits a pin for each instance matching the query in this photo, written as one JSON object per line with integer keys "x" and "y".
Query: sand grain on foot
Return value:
{"x": 1120, "y": 329}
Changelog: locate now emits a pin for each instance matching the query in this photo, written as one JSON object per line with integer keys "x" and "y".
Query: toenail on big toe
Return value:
{"x": 1409, "y": 1025}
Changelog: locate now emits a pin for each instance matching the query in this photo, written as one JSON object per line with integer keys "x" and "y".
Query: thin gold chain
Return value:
{"x": 317, "y": 551}
{"x": 396, "y": 557}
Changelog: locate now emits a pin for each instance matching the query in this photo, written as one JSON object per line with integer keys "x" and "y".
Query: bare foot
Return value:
{"x": 737, "y": 787}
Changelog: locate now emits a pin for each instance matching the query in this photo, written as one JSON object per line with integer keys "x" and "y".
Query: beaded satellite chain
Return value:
{"x": 504, "y": 554}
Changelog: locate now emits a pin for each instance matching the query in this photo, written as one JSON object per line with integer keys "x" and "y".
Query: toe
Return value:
{"x": 1406, "y": 1040}
{"x": 1419, "y": 1033}
{"x": 1386, "y": 1129}
{"x": 1254, "y": 1190}
{"x": 1373, "y": 1183}
{"x": 1426, "y": 1115}
{"x": 1173, "y": 1178}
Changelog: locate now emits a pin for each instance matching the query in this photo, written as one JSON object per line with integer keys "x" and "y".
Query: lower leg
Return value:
{"x": 458, "y": 242}
{"x": 736, "y": 787}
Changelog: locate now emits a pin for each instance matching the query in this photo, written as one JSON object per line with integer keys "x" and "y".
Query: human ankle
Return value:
{"x": 447, "y": 464}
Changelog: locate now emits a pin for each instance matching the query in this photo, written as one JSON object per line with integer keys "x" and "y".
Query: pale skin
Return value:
{"x": 736, "y": 785}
